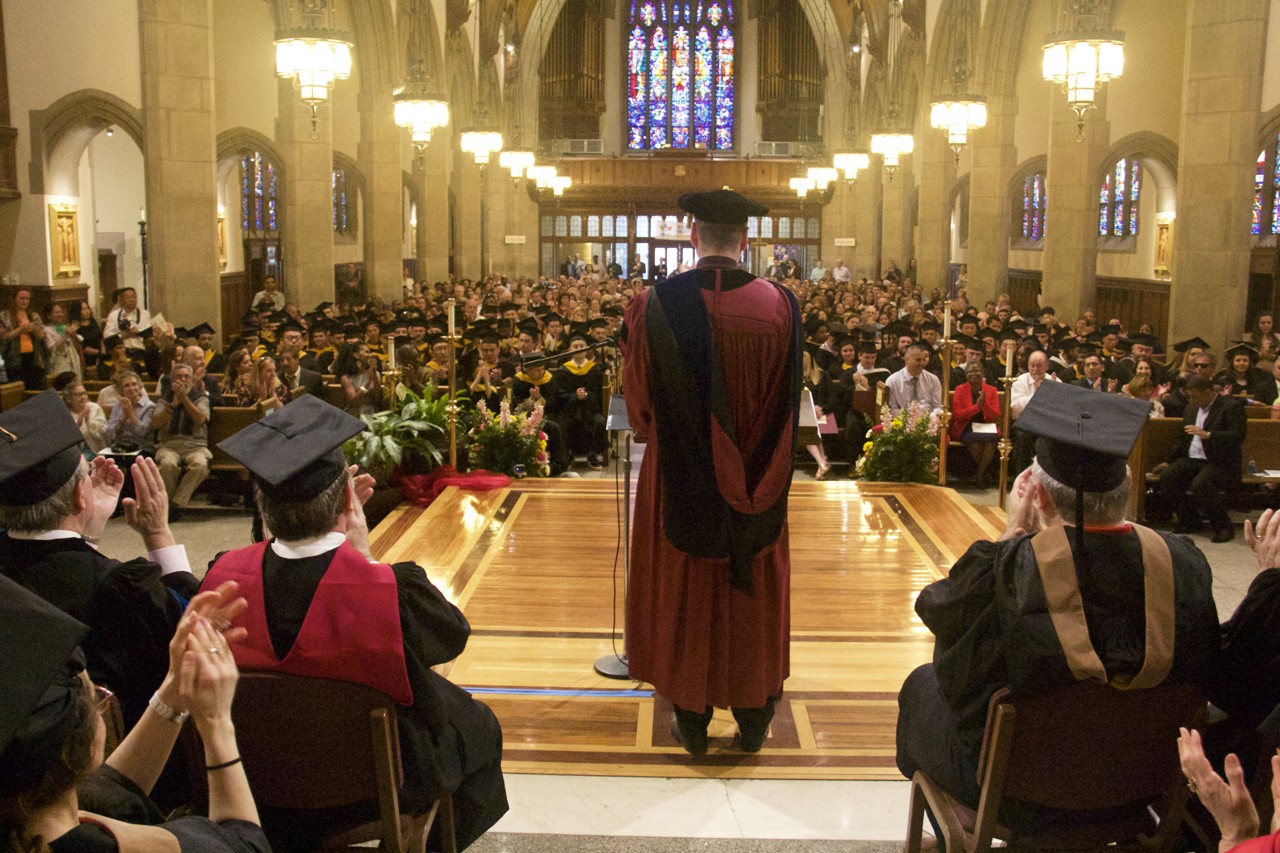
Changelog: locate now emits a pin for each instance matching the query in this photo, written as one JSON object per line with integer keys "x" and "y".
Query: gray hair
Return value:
{"x": 1100, "y": 508}
{"x": 293, "y": 520}
{"x": 48, "y": 513}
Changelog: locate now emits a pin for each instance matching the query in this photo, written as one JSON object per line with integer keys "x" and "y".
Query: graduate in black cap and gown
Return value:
{"x": 53, "y": 507}
{"x": 1146, "y": 614}
{"x": 712, "y": 380}
{"x": 321, "y": 605}
{"x": 56, "y": 791}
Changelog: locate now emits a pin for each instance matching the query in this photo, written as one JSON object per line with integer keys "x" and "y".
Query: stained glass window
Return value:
{"x": 344, "y": 218}
{"x": 680, "y": 74}
{"x": 1118, "y": 200}
{"x": 259, "y": 203}
{"x": 1033, "y": 206}
{"x": 1266, "y": 191}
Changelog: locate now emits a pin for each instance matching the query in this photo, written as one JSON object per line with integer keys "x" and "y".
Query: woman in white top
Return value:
{"x": 63, "y": 341}
{"x": 88, "y": 416}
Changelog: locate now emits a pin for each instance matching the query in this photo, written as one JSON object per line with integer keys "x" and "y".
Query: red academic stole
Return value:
{"x": 351, "y": 631}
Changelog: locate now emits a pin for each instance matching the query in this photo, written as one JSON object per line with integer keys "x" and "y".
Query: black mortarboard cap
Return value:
{"x": 1019, "y": 323}
{"x": 530, "y": 325}
{"x": 967, "y": 341}
{"x": 598, "y": 323}
{"x": 202, "y": 329}
{"x": 989, "y": 333}
{"x": 1183, "y": 346}
{"x": 113, "y": 342}
{"x": 898, "y": 328}
{"x": 866, "y": 347}
{"x": 1084, "y": 437}
{"x": 553, "y": 318}
{"x": 930, "y": 324}
{"x": 1145, "y": 340}
{"x": 38, "y": 643}
{"x": 289, "y": 326}
{"x": 579, "y": 329}
{"x": 39, "y": 449}
{"x": 1009, "y": 335}
{"x": 296, "y": 453}
{"x": 1242, "y": 347}
{"x": 1039, "y": 329}
{"x": 722, "y": 206}
{"x": 612, "y": 310}
{"x": 323, "y": 305}
{"x": 181, "y": 332}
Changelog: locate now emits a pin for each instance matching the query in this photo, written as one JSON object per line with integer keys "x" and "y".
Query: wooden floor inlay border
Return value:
{"x": 532, "y": 567}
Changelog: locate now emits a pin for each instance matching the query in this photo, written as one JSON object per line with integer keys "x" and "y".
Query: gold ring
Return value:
{"x": 1191, "y": 785}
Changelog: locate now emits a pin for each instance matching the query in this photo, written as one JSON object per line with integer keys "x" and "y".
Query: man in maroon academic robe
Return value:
{"x": 712, "y": 383}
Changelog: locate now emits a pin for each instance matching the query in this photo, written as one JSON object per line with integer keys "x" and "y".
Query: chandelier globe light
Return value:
{"x": 517, "y": 162}
{"x": 961, "y": 113}
{"x": 1084, "y": 57}
{"x": 420, "y": 111}
{"x": 314, "y": 54}
{"x": 802, "y": 186}
{"x": 560, "y": 183}
{"x": 481, "y": 144}
{"x": 541, "y": 175}
{"x": 892, "y": 142}
{"x": 822, "y": 176}
{"x": 851, "y": 163}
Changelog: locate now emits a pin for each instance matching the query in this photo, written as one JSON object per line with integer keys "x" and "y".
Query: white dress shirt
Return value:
{"x": 170, "y": 559}
{"x": 903, "y": 388}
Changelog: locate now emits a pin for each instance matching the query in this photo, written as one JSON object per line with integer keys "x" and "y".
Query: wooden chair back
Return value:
{"x": 1088, "y": 748}
{"x": 224, "y": 422}
{"x": 303, "y": 749}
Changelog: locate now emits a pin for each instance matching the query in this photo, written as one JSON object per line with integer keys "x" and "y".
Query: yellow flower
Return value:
{"x": 866, "y": 448}
{"x": 897, "y": 423}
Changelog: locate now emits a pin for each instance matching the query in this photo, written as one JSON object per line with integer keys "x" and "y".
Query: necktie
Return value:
{"x": 915, "y": 388}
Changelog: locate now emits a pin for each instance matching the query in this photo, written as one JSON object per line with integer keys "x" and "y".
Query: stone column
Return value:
{"x": 378, "y": 155}
{"x": 433, "y": 210}
{"x": 937, "y": 178}
{"x": 465, "y": 177}
{"x": 1217, "y": 156}
{"x": 994, "y": 159}
{"x": 306, "y": 221}
{"x": 179, "y": 149}
{"x": 896, "y": 242}
{"x": 516, "y": 214}
{"x": 867, "y": 203}
{"x": 1071, "y": 219}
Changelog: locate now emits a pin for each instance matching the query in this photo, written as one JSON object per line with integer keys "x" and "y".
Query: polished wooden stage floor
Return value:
{"x": 537, "y": 570}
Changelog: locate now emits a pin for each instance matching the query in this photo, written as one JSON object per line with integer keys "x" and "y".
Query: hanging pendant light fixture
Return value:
{"x": 892, "y": 142}
{"x": 419, "y": 106}
{"x": 1084, "y": 56}
{"x": 961, "y": 113}
{"x": 313, "y": 52}
{"x": 851, "y": 163}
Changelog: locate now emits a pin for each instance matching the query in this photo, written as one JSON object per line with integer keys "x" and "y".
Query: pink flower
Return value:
{"x": 877, "y": 429}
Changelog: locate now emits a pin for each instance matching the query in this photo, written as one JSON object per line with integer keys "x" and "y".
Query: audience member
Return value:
{"x": 1205, "y": 461}
{"x": 53, "y": 508}
{"x": 182, "y": 437}
{"x": 316, "y": 585}
{"x": 1001, "y": 617}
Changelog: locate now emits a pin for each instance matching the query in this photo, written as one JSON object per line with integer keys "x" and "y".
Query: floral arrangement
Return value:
{"x": 902, "y": 449}
{"x": 508, "y": 443}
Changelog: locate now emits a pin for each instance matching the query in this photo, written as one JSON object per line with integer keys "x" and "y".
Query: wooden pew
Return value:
{"x": 11, "y": 394}
{"x": 1159, "y": 435}
{"x": 224, "y": 422}
{"x": 334, "y": 395}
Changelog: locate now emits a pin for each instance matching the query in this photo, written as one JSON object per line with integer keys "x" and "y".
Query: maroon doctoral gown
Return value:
{"x": 697, "y": 636}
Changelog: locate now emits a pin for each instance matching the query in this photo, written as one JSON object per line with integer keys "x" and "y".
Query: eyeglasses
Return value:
{"x": 1199, "y": 364}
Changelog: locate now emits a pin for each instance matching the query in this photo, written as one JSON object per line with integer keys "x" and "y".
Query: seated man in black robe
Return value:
{"x": 317, "y": 586}
{"x": 579, "y": 388}
{"x": 53, "y": 507}
{"x": 992, "y": 618}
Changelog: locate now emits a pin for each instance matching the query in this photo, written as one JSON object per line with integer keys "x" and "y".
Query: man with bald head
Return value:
{"x": 1020, "y": 394}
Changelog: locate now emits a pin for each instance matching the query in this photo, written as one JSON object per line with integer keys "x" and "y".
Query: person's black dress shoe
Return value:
{"x": 1226, "y": 534}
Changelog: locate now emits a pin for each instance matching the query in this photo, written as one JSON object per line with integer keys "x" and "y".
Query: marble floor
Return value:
{"x": 575, "y": 813}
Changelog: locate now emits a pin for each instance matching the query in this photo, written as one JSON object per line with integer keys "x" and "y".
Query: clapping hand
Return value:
{"x": 207, "y": 675}
{"x": 107, "y": 481}
{"x": 148, "y": 511}
{"x": 363, "y": 483}
{"x": 352, "y": 522}
{"x": 1228, "y": 801}
{"x": 1264, "y": 539}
